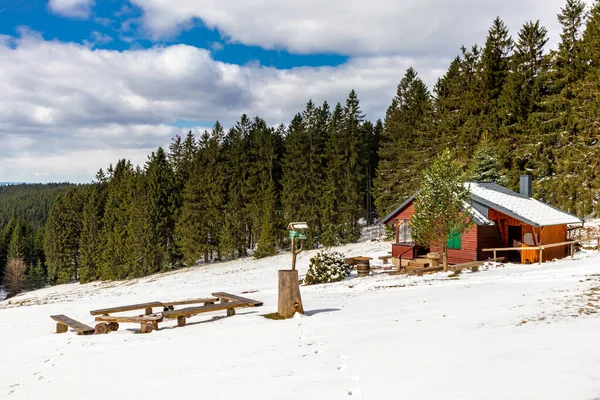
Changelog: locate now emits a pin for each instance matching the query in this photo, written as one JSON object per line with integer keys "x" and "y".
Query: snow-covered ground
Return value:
{"x": 507, "y": 332}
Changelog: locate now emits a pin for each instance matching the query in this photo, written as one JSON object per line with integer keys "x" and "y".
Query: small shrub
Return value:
{"x": 326, "y": 266}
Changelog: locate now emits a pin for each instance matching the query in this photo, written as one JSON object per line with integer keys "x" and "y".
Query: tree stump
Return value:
{"x": 290, "y": 301}
{"x": 181, "y": 320}
{"x": 61, "y": 328}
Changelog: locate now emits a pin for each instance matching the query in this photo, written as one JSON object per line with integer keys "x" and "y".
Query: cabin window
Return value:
{"x": 404, "y": 232}
{"x": 454, "y": 240}
{"x": 529, "y": 240}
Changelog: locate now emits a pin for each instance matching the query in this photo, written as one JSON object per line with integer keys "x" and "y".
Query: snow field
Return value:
{"x": 510, "y": 332}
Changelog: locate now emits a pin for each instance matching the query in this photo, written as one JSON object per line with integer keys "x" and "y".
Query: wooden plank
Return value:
{"x": 149, "y": 305}
{"x": 80, "y": 328}
{"x": 134, "y": 320}
{"x": 190, "y": 301}
{"x": 141, "y": 306}
{"x": 186, "y": 312}
{"x": 229, "y": 296}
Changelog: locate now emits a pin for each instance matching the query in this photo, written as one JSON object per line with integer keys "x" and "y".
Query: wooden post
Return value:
{"x": 541, "y": 249}
{"x": 293, "y": 253}
{"x": 494, "y": 255}
{"x": 61, "y": 328}
{"x": 148, "y": 310}
{"x": 289, "y": 301}
{"x": 181, "y": 320}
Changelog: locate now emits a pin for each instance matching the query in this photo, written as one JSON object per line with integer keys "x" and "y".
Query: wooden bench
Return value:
{"x": 184, "y": 313}
{"x": 385, "y": 259}
{"x": 109, "y": 323}
{"x": 63, "y": 323}
{"x": 147, "y": 307}
{"x": 233, "y": 297}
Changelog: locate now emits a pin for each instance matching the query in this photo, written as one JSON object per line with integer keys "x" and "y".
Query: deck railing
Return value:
{"x": 542, "y": 247}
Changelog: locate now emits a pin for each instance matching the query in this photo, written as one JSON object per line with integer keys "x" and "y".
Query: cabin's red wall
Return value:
{"x": 407, "y": 212}
{"x": 468, "y": 248}
{"x": 406, "y": 251}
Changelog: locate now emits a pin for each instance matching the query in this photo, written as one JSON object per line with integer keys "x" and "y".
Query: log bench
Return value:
{"x": 63, "y": 323}
{"x": 182, "y": 314}
{"x": 147, "y": 307}
{"x": 109, "y": 323}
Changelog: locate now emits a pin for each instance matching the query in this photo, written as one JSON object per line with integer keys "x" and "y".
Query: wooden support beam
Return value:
{"x": 61, "y": 328}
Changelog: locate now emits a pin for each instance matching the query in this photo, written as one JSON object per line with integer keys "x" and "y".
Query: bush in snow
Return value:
{"x": 326, "y": 266}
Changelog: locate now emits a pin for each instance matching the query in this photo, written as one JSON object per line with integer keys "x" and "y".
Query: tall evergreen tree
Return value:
{"x": 495, "y": 68}
{"x": 62, "y": 236}
{"x": 406, "y": 143}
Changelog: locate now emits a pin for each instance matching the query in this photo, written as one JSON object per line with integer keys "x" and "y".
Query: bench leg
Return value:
{"x": 181, "y": 321}
{"x": 148, "y": 310}
{"x": 61, "y": 328}
{"x": 230, "y": 312}
{"x": 146, "y": 327}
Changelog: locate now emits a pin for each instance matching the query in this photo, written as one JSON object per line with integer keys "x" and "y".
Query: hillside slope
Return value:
{"x": 511, "y": 332}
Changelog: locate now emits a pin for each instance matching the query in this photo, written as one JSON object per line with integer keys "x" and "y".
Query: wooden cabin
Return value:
{"x": 502, "y": 218}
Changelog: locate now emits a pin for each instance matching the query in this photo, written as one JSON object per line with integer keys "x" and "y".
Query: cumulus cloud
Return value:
{"x": 64, "y": 101}
{"x": 351, "y": 27}
{"x": 72, "y": 8}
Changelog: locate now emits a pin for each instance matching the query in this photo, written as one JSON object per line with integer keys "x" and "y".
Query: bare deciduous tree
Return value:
{"x": 14, "y": 276}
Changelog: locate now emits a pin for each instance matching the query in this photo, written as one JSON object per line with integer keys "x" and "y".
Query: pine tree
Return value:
{"x": 115, "y": 221}
{"x": 62, "y": 236}
{"x": 485, "y": 165}
{"x": 494, "y": 68}
{"x": 303, "y": 168}
{"x": 406, "y": 143}
{"x": 439, "y": 206}
{"x": 90, "y": 242}
{"x": 264, "y": 208}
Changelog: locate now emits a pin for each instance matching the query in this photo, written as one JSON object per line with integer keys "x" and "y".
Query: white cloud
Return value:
{"x": 59, "y": 101}
{"x": 72, "y": 8}
{"x": 355, "y": 27}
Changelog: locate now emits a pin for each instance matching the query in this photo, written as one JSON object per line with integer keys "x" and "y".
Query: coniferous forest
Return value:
{"x": 506, "y": 107}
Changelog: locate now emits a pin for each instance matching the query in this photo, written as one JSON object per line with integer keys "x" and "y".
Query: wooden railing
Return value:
{"x": 542, "y": 247}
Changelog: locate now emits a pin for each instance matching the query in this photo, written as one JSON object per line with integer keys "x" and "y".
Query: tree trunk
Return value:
{"x": 289, "y": 301}
{"x": 445, "y": 258}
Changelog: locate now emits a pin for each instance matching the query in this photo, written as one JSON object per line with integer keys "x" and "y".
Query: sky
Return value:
{"x": 84, "y": 83}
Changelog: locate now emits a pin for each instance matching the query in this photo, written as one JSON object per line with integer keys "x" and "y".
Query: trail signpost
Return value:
{"x": 290, "y": 301}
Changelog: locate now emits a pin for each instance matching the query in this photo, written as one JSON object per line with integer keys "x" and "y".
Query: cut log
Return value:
{"x": 146, "y": 327}
{"x": 113, "y": 326}
{"x": 101, "y": 328}
{"x": 289, "y": 301}
{"x": 181, "y": 320}
{"x": 61, "y": 328}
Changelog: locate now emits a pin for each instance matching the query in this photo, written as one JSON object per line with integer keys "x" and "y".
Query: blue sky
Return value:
{"x": 86, "y": 82}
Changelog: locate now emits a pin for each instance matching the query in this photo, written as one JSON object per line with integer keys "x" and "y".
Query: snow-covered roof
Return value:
{"x": 519, "y": 206}
{"x": 476, "y": 216}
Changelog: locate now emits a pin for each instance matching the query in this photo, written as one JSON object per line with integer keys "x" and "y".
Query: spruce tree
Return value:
{"x": 495, "y": 68}
{"x": 115, "y": 221}
{"x": 90, "y": 243}
{"x": 407, "y": 144}
{"x": 62, "y": 237}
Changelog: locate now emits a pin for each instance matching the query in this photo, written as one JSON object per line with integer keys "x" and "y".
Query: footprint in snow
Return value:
{"x": 341, "y": 367}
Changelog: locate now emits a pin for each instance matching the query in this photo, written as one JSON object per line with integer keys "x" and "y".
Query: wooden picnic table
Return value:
{"x": 149, "y": 321}
{"x": 147, "y": 307}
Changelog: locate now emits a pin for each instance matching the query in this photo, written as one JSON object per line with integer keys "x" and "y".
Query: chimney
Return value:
{"x": 525, "y": 188}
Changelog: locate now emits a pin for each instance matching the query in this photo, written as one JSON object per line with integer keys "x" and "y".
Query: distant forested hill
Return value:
{"x": 28, "y": 202}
